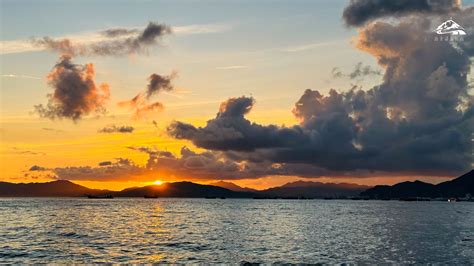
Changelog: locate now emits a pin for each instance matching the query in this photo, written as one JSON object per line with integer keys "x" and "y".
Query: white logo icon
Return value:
{"x": 450, "y": 27}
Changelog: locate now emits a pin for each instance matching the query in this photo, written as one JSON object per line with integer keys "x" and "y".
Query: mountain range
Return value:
{"x": 315, "y": 190}
{"x": 458, "y": 187}
{"x": 64, "y": 188}
{"x": 232, "y": 186}
{"x": 59, "y": 188}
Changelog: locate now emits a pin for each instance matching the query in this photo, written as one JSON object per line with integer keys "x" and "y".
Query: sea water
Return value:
{"x": 132, "y": 230}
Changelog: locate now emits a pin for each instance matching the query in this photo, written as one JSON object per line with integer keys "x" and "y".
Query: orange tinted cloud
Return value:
{"x": 75, "y": 91}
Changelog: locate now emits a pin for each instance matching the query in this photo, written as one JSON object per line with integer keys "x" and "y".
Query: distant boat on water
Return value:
{"x": 100, "y": 196}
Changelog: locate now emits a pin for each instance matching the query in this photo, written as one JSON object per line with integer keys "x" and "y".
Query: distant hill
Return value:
{"x": 182, "y": 190}
{"x": 59, "y": 188}
{"x": 315, "y": 190}
{"x": 232, "y": 186}
{"x": 457, "y": 187}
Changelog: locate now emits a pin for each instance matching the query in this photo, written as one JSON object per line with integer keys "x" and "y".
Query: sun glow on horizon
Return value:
{"x": 158, "y": 182}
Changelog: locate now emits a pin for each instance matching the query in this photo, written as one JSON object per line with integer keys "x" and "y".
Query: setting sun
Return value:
{"x": 157, "y": 182}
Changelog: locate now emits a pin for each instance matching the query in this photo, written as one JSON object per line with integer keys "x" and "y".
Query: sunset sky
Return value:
{"x": 386, "y": 103}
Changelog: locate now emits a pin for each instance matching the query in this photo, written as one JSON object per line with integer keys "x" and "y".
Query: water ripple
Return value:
{"x": 239, "y": 231}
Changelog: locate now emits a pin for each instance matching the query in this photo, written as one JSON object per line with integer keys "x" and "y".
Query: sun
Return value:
{"x": 158, "y": 182}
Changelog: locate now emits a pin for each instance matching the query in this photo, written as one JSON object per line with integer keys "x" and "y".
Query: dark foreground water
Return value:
{"x": 234, "y": 230}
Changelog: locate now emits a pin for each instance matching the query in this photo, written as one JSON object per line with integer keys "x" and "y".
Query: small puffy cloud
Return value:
{"x": 158, "y": 83}
{"x": 141, "y": 103}
{"x": 117, "y": 129}
{"x": 37, "y": 168}
{"x": 105, "y": 163}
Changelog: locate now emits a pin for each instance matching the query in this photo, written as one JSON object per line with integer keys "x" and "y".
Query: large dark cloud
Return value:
{"x": 231, "y": 131}
{"x": 359, "y": 12}
{"x": 75, "y": 91}
{"x": 419, "y": 120}
{"x": 117, "y": 42}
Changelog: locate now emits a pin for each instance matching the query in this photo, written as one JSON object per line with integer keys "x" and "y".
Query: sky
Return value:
{"x": 259, "y": 93}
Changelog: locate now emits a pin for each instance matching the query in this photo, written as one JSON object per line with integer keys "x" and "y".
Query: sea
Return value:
{"x": 168, "y": 230}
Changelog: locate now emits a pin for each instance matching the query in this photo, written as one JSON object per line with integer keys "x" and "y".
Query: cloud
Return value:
{"x": 153, "y": 152}
{"x": 360, "y": 70}
{"x": 92, "y": 41}
{"x": 201, "y": 28}
{"x": 15, "y": 76}
{"x": 358, "y": 12}
{"x": 231, "y": 67}
{"x": 418, "y": 120}
{"x": 159, "y": 83}
{"x": 52, "y": 129}
{"x": 142, "y": 107}
{"x": 75, "y": 92}
{"x": 117, "y": 42}
{"x": 120, "y": 170}
{"x": 309, "y": 46}
{"x": 189, "y": 165}
{"x": 231, "y": 131}
{"x": 37, "y": 168}
{"x": 105, "y": 163}
{"x": 17, "y": 150}
{"x": 141, "y": 104}
{"x": 117, "y": 129}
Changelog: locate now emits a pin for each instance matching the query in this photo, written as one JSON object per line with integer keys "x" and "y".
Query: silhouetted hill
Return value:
{"x": 232, "y": 186}
{"x": 315, "y": 190}
{"x": 458, "y": 187}
{"x": 59, "y": 188}
{"x": 182, "y": 190}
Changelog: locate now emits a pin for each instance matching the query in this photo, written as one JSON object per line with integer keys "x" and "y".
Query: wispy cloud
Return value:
{"x": 232, "y": 67}
{"x": 201, "y": 28}
{"x": 19, "y": 76}
{"x": 89, "y": 37}
{"x": 306, "y": 47}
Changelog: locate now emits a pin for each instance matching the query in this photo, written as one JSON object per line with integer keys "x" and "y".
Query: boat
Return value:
{"x": 452, "y": 200}
{"x": 100, "y": 196}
